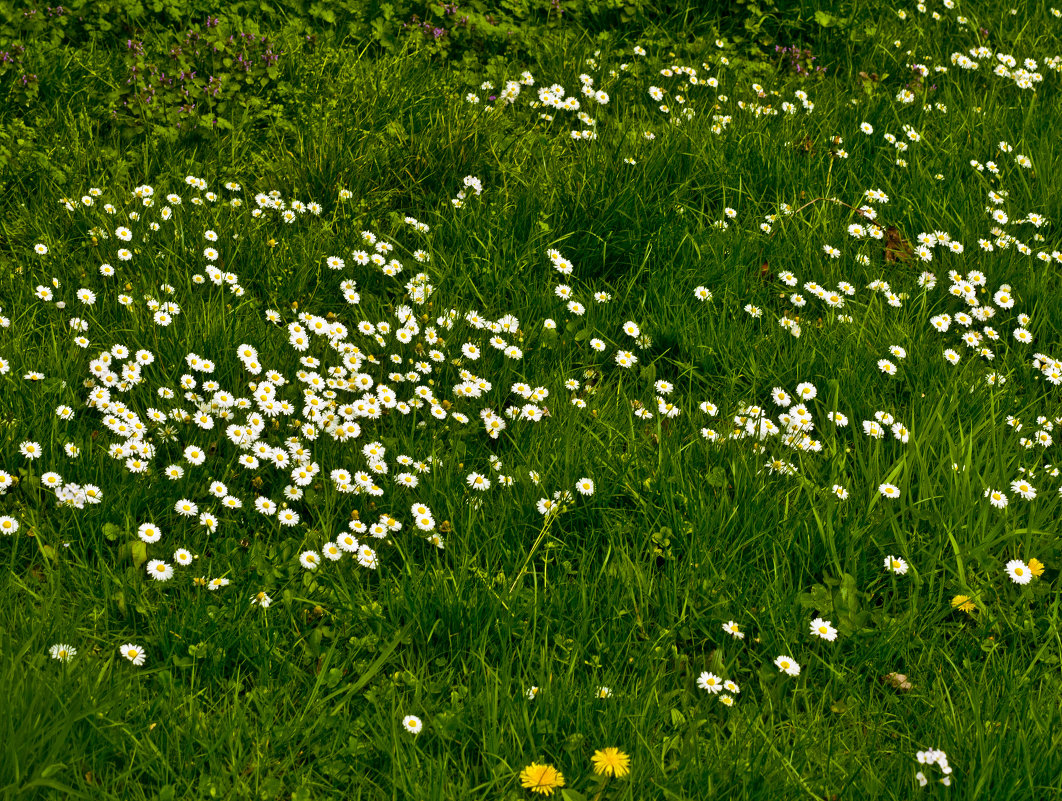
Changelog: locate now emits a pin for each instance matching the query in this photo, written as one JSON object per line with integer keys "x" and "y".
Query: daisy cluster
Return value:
{"x": 251, "y": 433}
{"x": 677, "y": 93}
{"x": 974, "y": 319}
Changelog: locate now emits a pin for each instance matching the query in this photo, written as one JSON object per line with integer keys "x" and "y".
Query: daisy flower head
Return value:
{"x": 31, "y": 450}
{"x": 159, "y": 570}
{"x": 1019, "y": 572}
{"x": 889, "y": 490}
{"x": 787, "y": 665}
{"x": 547, "y": 507}
{"x": 478, "y": 481}
{"x": 732, "y": 628}
{"x": 347, "y": 542}
{"x": 309, "y": 560}
{"x": 149, "y": 532}
{"x": 1023, "y": 488}
{"x": 367, "y": 557}
{"x": 194, "y": 455}
{"x": 62, "y": 652}
{"x": 824, "y": 629}
{"x": 412, "y": 724}
{"x": 710, "y": 682}
{"x": 134, "y": 653}
{"x": 996, "y": 498}
{"x": 896, "y": 565}
{"x": 611, "y": 762}
{"x": 584, "y": 486}
{"x": 52, "y": 480}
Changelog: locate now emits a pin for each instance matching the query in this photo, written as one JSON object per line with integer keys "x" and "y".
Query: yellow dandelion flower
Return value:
{"x": 611, "y": 762}
{"x": 1036, "y": 567}
{"x": 964, "y": 604}
{"x": 541, "y": 778}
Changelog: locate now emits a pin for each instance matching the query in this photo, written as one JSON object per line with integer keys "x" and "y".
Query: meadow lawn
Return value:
{"x": 633, "y": 420}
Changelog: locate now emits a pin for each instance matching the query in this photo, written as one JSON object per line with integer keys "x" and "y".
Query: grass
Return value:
{"x": 687, "y": 527}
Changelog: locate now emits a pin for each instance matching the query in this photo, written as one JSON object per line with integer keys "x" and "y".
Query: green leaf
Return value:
{"x": 333, "y": 677}
{"x": 819, "y": 599}
{"x": 716, "y": 477}
{"x": 111, "y": 531}
{"x": 847, "y": 597}
{"x": 138, "y": 550}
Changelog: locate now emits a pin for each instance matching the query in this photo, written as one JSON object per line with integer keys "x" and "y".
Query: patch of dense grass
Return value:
{"x": 755, "y": 350}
